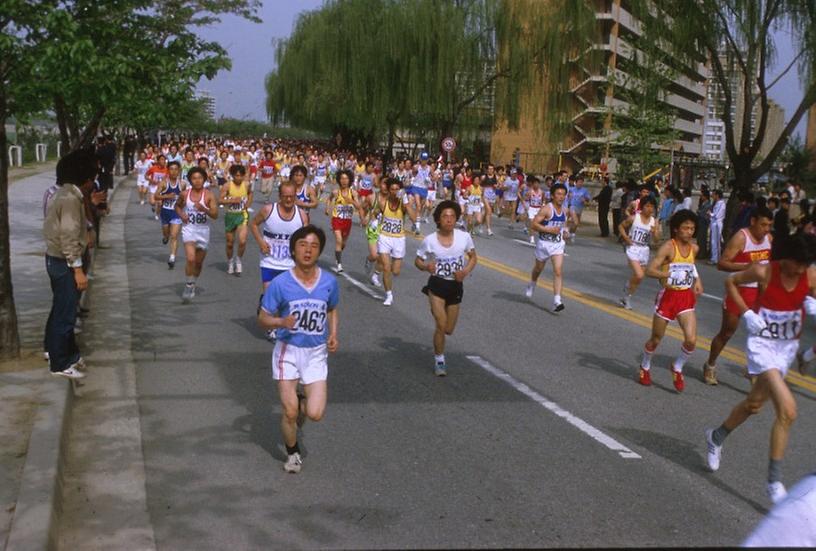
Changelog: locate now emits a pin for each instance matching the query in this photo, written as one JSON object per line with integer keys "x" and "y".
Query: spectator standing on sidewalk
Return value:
{"x": 781, "y": 221}
{"x": 703, "y": 223}
{"x": 604, "y": 199}
{"x": 717, "y": 220}
{"x": 66, "y": 237}
{"x": 617, "y": 206}
{"x": 666, "y": 210}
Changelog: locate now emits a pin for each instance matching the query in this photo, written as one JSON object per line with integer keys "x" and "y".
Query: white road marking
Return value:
{"x": 361, "y": 286}
{"x": 712, "y": 297}
{"x": 576, "y": 422}
{"x": 523, "y": 242}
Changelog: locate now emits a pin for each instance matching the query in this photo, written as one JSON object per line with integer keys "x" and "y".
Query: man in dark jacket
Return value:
{"x": 604, "y": 198}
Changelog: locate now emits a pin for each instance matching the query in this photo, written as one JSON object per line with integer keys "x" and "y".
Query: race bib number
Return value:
{"x": 346, "y": 212}
{"x": 640, "y": 236}
{"x": 391, "y": 225}
{"x": 475, "y": 200}
{"x": 237, "y": 207}
{"x": 681, "y": 275}
{"x": 169, "y": 203}
{"x": 783, "y": 326}
{"x": 553, "y": 237}
{"x": 197, "y": 217}
{"x": 447, "y": 266}
{"x": 310, "y": 316}
{"x": 278, "y": 246}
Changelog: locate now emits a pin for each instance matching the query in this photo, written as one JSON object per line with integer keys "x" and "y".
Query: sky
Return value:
{"x": 240, "y": 92}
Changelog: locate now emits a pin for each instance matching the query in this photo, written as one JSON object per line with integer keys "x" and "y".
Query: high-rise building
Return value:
{"x": 208, "y": 100}
{"x": 597, "y": 95}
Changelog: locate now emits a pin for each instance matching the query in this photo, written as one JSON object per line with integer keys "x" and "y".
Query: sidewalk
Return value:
{"x": 36, "y": 410}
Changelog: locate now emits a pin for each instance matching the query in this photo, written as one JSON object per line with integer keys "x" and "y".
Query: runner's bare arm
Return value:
{"x": 757, "y": 273}
{"x": 212, "y": 204}
{"x": 623, "y": 228}
{"x": 732, "y": 248}
{"x": 543, "y": 214}
{"x": 663, "y": 256}
{"x": 334, "y": 321}
{"x": 469, "y": 267}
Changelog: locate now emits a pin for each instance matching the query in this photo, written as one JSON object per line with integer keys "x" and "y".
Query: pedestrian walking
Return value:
{"x": 717, "y": 220}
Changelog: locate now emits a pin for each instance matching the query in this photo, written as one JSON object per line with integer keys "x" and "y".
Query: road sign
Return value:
{"x": 448, "y": 144}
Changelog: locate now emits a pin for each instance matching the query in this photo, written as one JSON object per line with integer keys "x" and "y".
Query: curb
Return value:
{"x": 39, "y": 502}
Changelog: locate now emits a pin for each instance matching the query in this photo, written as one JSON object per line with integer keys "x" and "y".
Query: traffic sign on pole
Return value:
{"x": 448, "y": 144}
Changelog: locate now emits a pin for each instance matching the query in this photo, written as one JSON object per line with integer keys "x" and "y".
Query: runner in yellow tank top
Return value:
{"x": 236, "y": 200}
{"x": 674, "y": 266}
{"x": 391, "y": 241}
{"x": 343, "y": 202}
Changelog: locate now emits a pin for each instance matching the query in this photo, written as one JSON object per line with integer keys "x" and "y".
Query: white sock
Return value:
{"x": 682, "y": 359}
{"x": 440, "y": 358}
{"x": 172, "y": 258}
{"x": 646, "y": 363}
{"x": 809, "y": 354}
{"x": 557, "y": 299}
{"x": 389, "y": 294}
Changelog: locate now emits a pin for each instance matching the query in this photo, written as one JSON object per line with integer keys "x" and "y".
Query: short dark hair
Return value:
{"x": 304, "y": 231}
{"x": 391, "y": 181}
{"x": 174, "y": 163}
{"x": 446, "y": 204}
{"x": 762, "y": 212}
{"x": 237, "y": 169}
{"x": 348, "y": 173}
{"x": 774, "y": 200}
{"x": 648, "y": 200}
{"x": 531, "y": 178}
{"x": 556, "y": 187}
{"x": 77, "y": 167}
{"x": 196, "y": 170}
{"x": 681, "y": 217}
{"x": 799, "y": 247}
{"x": 298, "y": 168}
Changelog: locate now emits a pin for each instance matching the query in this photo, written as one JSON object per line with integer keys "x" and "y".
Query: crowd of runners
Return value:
{"x": 188, "y": 185}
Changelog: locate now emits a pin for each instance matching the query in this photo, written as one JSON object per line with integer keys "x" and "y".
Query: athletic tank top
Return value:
{"x": 392, "y": 221}
{"x": 367, "y": 182}
{"x": 276, "y": 233}
{"x": 536, "y": 199}
{"x": 682, "y": 271}
{"x": 475, "y": 196}
{"x": 236, "y": 191}
{"x": 640, "y": 233}
{"x": 195, "y": 217}
{"x": 754, "y": 253}
{"x": 557, "y": 220}
{"x": 782, "y": 309}
{"x": 343, "y": 205}
{"x": 170, "y": 204}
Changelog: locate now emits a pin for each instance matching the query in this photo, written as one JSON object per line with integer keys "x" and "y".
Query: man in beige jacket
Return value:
{"x": 66, "y": 236}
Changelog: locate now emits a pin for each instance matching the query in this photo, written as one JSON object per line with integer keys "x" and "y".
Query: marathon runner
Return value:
{"x": 638, "y": 232}
{"x": 674, "y": 266}
{"x": 449, "y": 256}
{"x": 272, "y": 227}
{"x": 305, "y": 196}
{"x": 391, "y": 241}
{"x": 552, "y": 228}
{"x": 301, "y": 305}
{"x": 142, "y": 165}
{"x": 156, "y": 175}
{"x": 751, "y": 245}
{"x": 475, "y": 206}
{"x": 579, "y": 196}
{"x": 343, "y": 202}
{"x": 788, "y": 286}
{"x": 195, "y": 206}
{"x": 170, "y": 220}
{"x": 534, "y": 200}
{"x": 489, "y": 183}
{"x": 268, "y": 170}
{"x": 237, "y": 198}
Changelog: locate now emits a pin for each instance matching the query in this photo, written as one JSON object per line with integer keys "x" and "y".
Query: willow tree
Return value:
{"x": 368, "y": 67}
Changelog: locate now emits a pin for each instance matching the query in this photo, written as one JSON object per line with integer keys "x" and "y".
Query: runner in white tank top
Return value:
{"x": 638, "y": 231}
{"x": 195, "y": 207}
{"x": 272, "y": 227}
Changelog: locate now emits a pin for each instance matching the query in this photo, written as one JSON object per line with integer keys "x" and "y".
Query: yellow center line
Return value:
{"x": 737, "y": 356}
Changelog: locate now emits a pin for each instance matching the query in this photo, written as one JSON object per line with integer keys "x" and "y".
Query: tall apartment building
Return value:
{"x": 714, "y": 136}
{"x": 597, "y": 95}
{"x": 208, "y": 100}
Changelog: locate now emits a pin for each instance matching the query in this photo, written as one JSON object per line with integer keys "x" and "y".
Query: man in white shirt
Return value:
{"x": 717, "y": 220}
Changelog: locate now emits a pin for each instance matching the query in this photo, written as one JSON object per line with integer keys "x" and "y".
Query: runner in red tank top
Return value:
{"x": 748, "y": 246}
{"x": 788, "y": 285}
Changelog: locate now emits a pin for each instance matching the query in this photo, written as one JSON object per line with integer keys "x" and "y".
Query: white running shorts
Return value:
{"x": 200, "y": 235}
{"x": 308, "y": 365}
{"x": 638, "y": 253}
{"x": 545, "y": 249}
{"x": 392, "y": 246}
{"x": 765, "y": 354}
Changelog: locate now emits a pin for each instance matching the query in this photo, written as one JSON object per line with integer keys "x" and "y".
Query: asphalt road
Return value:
{"x": 539, "y": 436}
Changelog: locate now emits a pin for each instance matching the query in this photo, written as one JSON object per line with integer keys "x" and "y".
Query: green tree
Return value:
{"x": 798, "y": 160}
{"x": 365, "y": 69}
{"x": 90, "y": 59}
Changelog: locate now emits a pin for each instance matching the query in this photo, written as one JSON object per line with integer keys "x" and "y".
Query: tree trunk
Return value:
{"x": 62, "y": 123}
{"x": 9, "y": 336}
{"x": 86, "y": 139}
{"x": 743, "y": 181}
